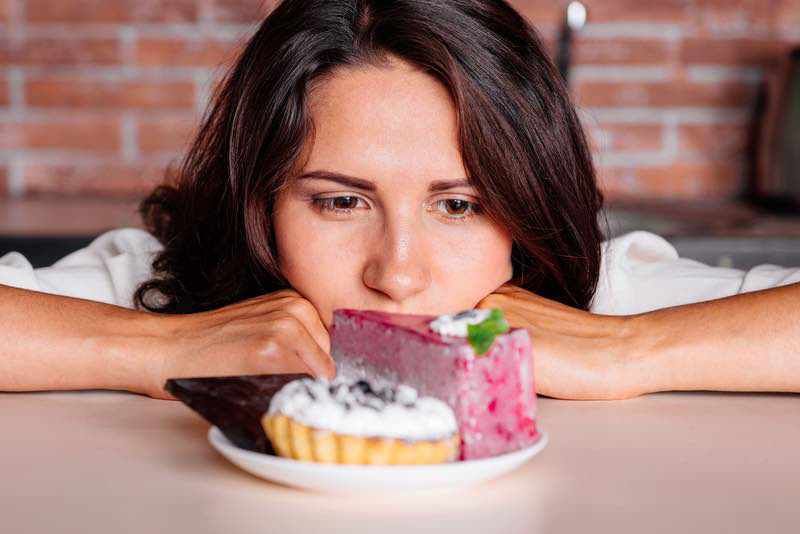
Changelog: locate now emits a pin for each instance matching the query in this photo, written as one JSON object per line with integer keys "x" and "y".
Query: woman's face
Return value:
{"x": 380, "y": 217}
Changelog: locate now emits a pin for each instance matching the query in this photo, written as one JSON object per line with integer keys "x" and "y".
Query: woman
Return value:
{"x": 409, "y": 156}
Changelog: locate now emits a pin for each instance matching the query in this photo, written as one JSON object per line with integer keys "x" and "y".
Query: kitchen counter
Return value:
{"x": 98, "y": 462}
{"x": 65, "y": 216}
{"x": 47, "y": 229}
{"x": 730, "y": 234}
{"x": 708, "y": 219}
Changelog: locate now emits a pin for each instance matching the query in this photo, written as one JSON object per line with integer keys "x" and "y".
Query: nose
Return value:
{"x": 398, "y": 264}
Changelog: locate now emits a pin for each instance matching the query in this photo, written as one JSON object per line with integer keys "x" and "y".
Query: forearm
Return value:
{"x": 746, "y": 342}
{"x": 55, "y": 342}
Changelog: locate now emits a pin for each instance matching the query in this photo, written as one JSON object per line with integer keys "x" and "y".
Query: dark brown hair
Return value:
{"x": 520, "y": 140}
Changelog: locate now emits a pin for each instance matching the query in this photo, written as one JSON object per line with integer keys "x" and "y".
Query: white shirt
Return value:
{"x": 640, "y": 271}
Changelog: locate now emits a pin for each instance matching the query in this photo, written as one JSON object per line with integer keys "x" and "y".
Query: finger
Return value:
{"x": 308, "y": 315}
{"x": 285, "y": 361}
{"x": 320, "y": 335}
{"x": 318, "y": 361}
{"x": 292, "y": 302}
{"x": 265, "y": 356}
{"x": 299, "y": 340}
{"x": 269, "y": 302}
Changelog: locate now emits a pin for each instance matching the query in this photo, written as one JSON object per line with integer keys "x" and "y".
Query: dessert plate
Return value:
{"x": 349, "y": 478}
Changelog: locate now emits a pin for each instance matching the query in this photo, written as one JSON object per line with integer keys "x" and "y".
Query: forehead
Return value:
{"x": 395, "y": 124}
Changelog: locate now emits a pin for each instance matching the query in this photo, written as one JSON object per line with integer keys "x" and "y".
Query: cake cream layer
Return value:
{"x": 492, "y": 395}
{"x": 356, "y": 409}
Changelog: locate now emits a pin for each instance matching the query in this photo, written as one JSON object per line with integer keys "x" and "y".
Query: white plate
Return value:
{"x": 347, "y": 478}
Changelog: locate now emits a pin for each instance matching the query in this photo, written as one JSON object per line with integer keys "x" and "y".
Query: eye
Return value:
{"x": 340, "y": 204}
{"x": 458, "y": 208}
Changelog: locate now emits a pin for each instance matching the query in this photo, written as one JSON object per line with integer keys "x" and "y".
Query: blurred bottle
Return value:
{"x": 574, "y": 20}
{"x": 777, "y": 169}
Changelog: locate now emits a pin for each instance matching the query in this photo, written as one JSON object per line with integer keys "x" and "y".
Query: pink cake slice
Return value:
{"x": 492, "y": 395}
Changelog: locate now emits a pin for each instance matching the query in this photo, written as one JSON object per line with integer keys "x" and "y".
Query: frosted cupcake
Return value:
{"x": 357, "y": 423}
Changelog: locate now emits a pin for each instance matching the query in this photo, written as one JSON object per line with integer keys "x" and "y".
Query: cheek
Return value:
{"x": 475, "y": 264}
{"x": 317, "y": 263}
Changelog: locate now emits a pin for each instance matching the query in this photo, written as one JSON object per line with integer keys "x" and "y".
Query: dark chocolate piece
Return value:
{"x": 234, "y": 404}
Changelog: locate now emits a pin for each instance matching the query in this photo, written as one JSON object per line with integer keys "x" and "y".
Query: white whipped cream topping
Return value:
{"x": 456, "y": 324}
{"x": 348, "y": 410}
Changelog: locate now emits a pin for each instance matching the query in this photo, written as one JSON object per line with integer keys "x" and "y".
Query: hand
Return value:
{"x": 576, "y": 354}
{"x": 280, "y": 332}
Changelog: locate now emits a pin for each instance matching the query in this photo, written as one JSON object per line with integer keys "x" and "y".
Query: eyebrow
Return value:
{"x": 366, "y": 185}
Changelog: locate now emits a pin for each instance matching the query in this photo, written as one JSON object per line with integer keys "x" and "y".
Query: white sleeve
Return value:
{"x": 107, "y": 270}
{"x": 641, "y": 271}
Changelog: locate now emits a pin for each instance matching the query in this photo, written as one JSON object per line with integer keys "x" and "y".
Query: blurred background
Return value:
{"x": 692, "y": 107}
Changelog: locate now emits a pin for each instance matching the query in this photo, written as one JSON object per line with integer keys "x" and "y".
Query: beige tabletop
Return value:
{"x": 95, "y": 461}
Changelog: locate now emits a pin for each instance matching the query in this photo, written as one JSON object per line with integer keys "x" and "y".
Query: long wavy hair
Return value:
{"x": 520, "y": 140}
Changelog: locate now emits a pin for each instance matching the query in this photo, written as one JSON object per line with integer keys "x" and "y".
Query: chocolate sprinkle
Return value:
{"x": 361, "y": 393}
{"x": 364, "y": 386}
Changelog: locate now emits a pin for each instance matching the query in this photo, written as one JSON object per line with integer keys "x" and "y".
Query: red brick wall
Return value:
{"x": 98, "y": 96}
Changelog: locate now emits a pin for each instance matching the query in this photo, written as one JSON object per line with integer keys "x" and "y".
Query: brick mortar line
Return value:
{"x": 82, "y": 157}
{"x": 699, "y": 80}
{"x": 127, "y": 46}
{"x": 128, "y": 69}
{"x": 16, "y": 89}
{"x": 588, "y": 121}
{"x": 15, "y": 180}
{"x": 623, "y": 72}
{"x": 714, "y": 73}
{"x": 789, "y": 34}
{"x": 43, "y": 114}
{"x": 632, "y": 159}
{"x": 204, "y": 11}
{"x": 691, "y": 159}
{"x": 598, "y": 116}
{"x": 129, "y": 138}
{"x": 16, "y": 20}
{"x": 695, "y": 158}
{"x": 203, "y": 88}
{"x": 226, "y": 30}
{"x": 603, "y": 153}
{"x": 684, "y": 115}
{"x": 670, "y": 141}
{"x": 113, "y": 73}
{"x": 616, "y": 30}
{"x": 149, "y": 30}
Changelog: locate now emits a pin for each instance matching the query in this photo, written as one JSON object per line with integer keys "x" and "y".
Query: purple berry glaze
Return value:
{"x": 492, "y": 395}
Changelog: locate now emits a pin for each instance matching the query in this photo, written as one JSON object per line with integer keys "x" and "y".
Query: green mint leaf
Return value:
{"x": 481, "y": 335}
